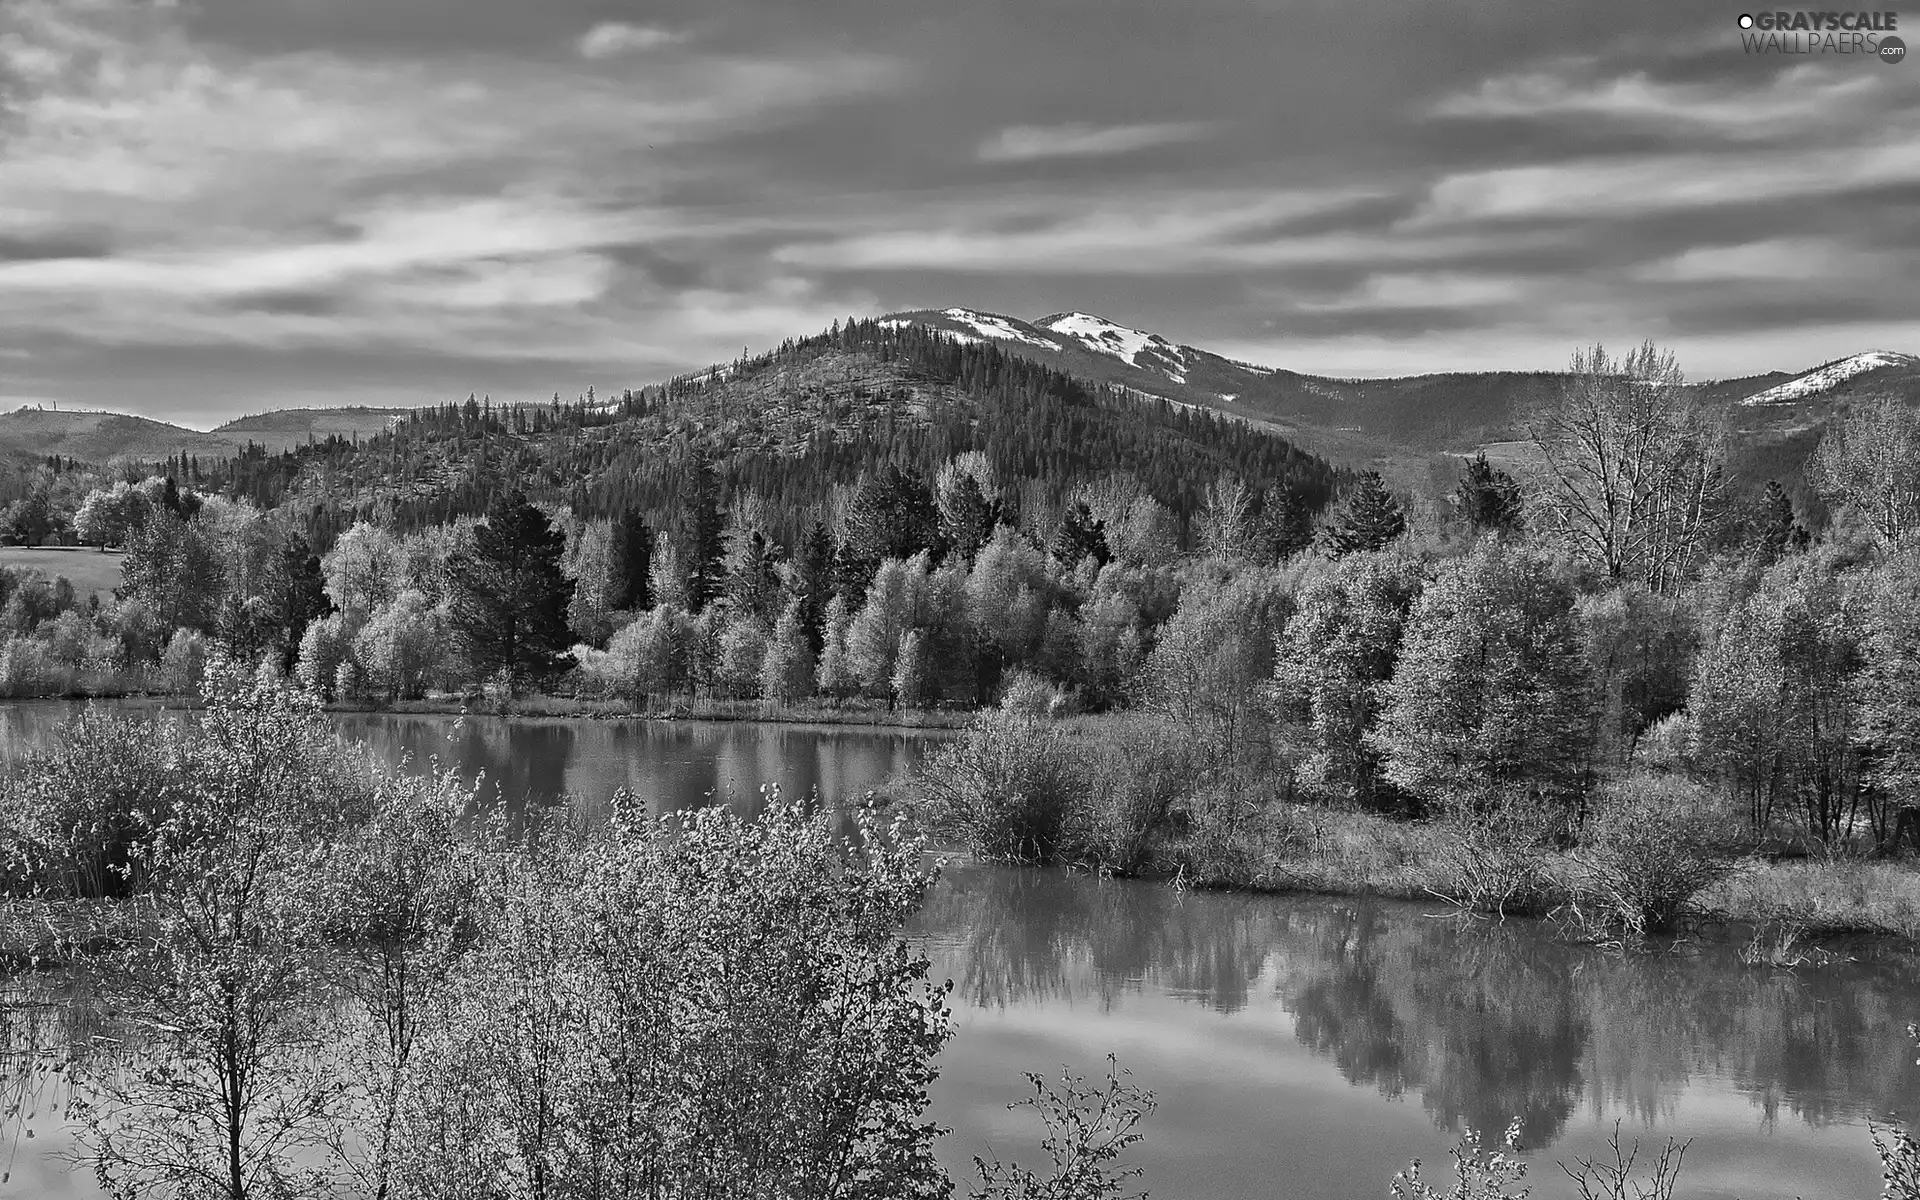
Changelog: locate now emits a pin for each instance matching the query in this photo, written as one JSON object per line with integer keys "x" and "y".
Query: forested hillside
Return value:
{"x": 793, "y": 428}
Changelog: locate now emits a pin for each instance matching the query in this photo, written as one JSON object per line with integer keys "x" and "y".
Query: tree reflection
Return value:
{"x": 1485, "y": 1022}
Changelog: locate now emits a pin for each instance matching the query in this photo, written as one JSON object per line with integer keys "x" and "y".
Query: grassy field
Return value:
{"x": 89, "y": 570}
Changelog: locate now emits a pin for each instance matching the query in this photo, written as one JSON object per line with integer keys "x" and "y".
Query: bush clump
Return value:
{"x": 1650, "y": 847}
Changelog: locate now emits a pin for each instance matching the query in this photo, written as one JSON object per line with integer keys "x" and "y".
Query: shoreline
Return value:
{"x": 582, "y": 709}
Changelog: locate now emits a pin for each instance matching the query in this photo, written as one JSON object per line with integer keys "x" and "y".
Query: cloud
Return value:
{"x": 614, "y": 39}
{"x": 1027, "y": 143}
{"x": 1146, "y": 233}
{"x": 1799, "y": 99}
{"x": 313, "y": 199}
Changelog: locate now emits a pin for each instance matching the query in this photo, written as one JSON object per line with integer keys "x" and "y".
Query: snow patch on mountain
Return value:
{"x": 1135, "y": 347}
{"x": 950, "y": 334}
{"x": 1256, "y": 368}
{"x": 990, "y": 326}
{"x": 1830, "y": 376}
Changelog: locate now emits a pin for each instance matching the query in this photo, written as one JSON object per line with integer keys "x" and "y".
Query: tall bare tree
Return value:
{"x": 1631, "y": 466}
{"x": 1868, "y": 465}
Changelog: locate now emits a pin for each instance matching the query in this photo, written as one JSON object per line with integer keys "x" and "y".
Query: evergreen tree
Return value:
{"x": 891, "y": 516}
{"x": 1487, "y": 498}
{"x": 701, "y": 535}
{"x": 633, "y": 560}
{"x": 1080, "y": 536}
{"x": 811, "y": 582}
{"x": 1779, "y": 531}
{"x": 967, "y": 516}
{"x": 509, "y": 601}
{"x": 302, "y": 596}
{"x": 1368, "y": 519}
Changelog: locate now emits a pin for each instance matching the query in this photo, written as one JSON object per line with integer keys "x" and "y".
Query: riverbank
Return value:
{"x": 1657, "y": 856}
{"x": 852, "y": 713}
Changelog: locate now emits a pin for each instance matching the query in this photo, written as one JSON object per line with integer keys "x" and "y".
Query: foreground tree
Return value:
{"x": 723, "y": 1008}
{"x": 509, "y": 602}
{"x": 229, "y": 1090}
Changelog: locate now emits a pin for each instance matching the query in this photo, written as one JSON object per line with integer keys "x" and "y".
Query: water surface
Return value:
{"x": 1301, "y": 1048}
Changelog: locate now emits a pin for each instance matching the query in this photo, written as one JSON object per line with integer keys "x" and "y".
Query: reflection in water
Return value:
{"x": 1303, "y": 1047}
{"x": 670, "y": 764}
{"x": 1481, "y": 1023}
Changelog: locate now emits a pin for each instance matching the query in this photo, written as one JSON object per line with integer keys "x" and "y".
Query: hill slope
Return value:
{"x": 791, "y": 427}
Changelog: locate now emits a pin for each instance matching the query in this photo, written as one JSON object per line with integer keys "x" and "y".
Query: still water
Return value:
{"x": 1301, "y": 1048}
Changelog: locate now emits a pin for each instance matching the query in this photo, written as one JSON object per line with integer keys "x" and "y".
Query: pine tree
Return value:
{"x": 1369, "y": 518}
{"x": 1080, "y": 536}
{"x": 967, "y": 517}
{"x": 1779, "y": 531}
{"x": 1487, "y": 499}
{"x": 509, "y": 596}
{"x": 633, "y": 558}
{"x": 701, "y": 533}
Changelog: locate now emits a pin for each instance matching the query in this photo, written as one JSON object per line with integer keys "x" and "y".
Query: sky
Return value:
{"x": 218, "y": 207}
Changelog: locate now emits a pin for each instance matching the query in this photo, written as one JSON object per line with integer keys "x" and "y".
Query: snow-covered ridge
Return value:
{"x": 1831, "y": 375}
{"x": 990, "y": 326}
{"x": 1104, "y": 337}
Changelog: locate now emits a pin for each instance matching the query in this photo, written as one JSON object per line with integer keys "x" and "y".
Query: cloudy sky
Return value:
{"x": 210, "y": 207}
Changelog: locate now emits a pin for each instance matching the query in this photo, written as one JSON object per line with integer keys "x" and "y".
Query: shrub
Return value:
{"x": 1029, "y": 694}
{"x": 1008, "y": 789}
{"x": 1496, "y": 860}
{"x": 721, "y": 1006}
{"x": 1649, "y": 849}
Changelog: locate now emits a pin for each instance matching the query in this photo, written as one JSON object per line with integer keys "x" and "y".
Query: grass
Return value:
{"x": 1823, "y": 897}
{"x": 88, "y": 569}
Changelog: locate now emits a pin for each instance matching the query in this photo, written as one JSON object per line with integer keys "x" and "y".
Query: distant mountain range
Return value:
{"x": 94, "y": 437}
{"x": 1396, "y": 423}
{"x": 1358, "y": 419}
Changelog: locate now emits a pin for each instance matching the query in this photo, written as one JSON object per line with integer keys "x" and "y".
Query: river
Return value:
{"x": 1302, "y": 1048}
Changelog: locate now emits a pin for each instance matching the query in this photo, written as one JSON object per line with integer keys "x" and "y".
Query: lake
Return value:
{"x": 1302, "y": 1048}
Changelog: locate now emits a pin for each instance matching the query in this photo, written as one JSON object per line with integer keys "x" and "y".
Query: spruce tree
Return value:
{"x": 633, "y": 558}
{"x": 1779, "y": 531}
{"x": 1369, "y": 518}
{"x": 509, "y": 596}
{"x": 1488, "y": 499}
{"x": 1079, "y": 536}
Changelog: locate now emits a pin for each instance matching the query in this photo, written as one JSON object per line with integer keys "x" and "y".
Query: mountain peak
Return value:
{"x": 1828, "y": 376}
{"x": 1135, "y": 347}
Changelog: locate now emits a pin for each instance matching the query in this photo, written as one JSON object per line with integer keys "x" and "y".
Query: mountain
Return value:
{"x": 287, "y": 427}
{"x": 1350, "y": 419}
{"x": 794, "y": 427}
{"x": 1875, "y": 370}
{"x": 1395, "y": 424}
{"x": 31, "y": 433}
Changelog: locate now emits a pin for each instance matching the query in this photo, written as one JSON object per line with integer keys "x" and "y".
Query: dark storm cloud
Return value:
{"x": 384, "y": 198}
